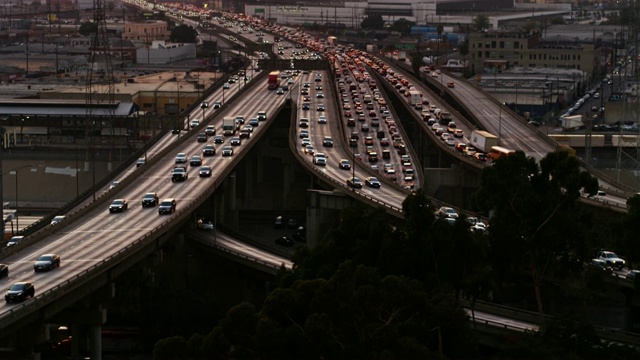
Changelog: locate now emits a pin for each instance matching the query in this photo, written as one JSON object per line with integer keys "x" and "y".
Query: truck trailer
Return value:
{"x": 415, "y": 97}
{"x": 274, "y": 80}
{"x": 483, "y": 140}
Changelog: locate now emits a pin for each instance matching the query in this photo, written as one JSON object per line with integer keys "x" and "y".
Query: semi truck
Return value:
{"x": 570, "y": 123}
{"x": 274, "y": 80}
{"x": 483, "y": 140}
{"x": 415, "y": 97}
{"x": 229, "y": 126}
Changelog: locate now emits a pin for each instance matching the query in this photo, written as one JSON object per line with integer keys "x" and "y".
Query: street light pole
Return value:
{"x": 15, "y": 172}
{"x": 500, "y": 123}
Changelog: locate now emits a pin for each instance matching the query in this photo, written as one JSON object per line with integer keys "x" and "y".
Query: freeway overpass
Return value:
{"x": 98, "y": 246}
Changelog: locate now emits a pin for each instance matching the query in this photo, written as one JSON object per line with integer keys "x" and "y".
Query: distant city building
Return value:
{"x": 161, "y": 52}
{"x": 146, "y": 32}
{"x": 496, "y": 50}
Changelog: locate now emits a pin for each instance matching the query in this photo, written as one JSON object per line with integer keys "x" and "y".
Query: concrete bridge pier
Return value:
{"x": 85, "y": 328}
{"x": 229, "y": 215}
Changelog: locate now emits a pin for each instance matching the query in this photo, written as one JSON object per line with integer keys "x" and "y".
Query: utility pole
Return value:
{"x": 100, "y": 81}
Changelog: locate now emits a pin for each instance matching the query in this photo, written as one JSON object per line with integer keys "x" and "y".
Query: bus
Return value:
{"x": 498, "y": 151}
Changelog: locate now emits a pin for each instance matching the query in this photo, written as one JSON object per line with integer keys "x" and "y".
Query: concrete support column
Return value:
{"x": 74, "y": 329}
{"x": 95, "y": 342}
{"x": 249, "y": 184}
{"x": 313, "y": 226}
{"x": 285, "y": 185}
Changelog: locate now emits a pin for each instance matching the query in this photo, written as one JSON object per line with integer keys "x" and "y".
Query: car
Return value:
{"x": 208, "y": 150}
{"x": 218, "y": 139}
{"x": 167, "y": 206}
{"x": 254, "y": 122}
{"x": 320, "y": 107}
{"x": 114, "y": 184}
{"x": 15, "y": 240}
{"x": 344, "y": 164}
{"x": 4, "y": 270}
{"x": 632, "y": 274}
{"x": 319, "y": 159}
{"x": 57, "y": 219}
{"x": 305, "y": 142}
{"x": 278, "y": 223}
{"x": 303, "y": 123}
{"x": 284, "y": 240}
{"x": 327, "y": 141}
{"x": 309, "y": 150}
{"x": 227, "y": 151}
{"x": 226, "y": 85}
{"x": 306, "y": 106}
{"x": 205, "y": 224}
{"x": 179, "y": 173}
{"x": 202, "y": 137}
{"x": 450, "y": 141}
{"x": 149, "y": 199}
{"x": 194, "y": 123}
{"x": 118, "y": 205}
{"x": 217, "y": 104}
{"x": 140, "y": 162}
{"x": 181, "y": 158}
{"x": 611, "y": 259}
{"x": 447, "y": 212}
{"x": 209, "y": 131}
{"x": 372, "y": 182}
{"x": 236, "y": 141}
{"x": 47, "y": 262}
{"x": 451, "y": 84}
{"x": 20, "y": 291}
{"x": 239, "y": 120}
{"x": 390, "y": 173}
{"x": 205, "y": 171}
{"x": 262, "y": 115}
{"x": 322, "y": 119}
{"x": 195, "y": 160}
{"x": 354, "y": 182}
{"x": 280, "y": 91}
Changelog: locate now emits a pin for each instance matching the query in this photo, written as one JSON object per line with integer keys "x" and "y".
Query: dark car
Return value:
{"x": 284, "y": 240}
{"x": 47, "y": 262}
{"x": 140, "y": 162}
{"x": 195, "y": 161}
{"x": 354, "y": 182}
{"x": 218, "y": 139}
{"x": 118, "y": 205}
{"x": 300, "y": 234}
{"x": 150, "y": 199}
{"x": 202, "y": 137}
{"x": 167, "y": 206}
{"x": 208, "y": 150}
{"x": 372, "y": 182}
{"x": 205, "y": 171}
{"x": 20, "y": 291}
{"x": 235, "y": 141}
{"x": 4, "y": 270}
{"x": 210, "y": 130}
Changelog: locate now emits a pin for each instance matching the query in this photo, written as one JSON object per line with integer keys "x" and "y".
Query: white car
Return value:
{"x": 181, "y": 158}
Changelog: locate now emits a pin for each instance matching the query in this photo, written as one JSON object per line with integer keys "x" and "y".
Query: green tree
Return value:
{"x": 403, "y": 26}
{"x": 183, "y": 34}
{"x": 558, "y": 20}
{"x": 374, "y": 22}
{"x": 535, "y": 213}
{"x": 170, "y": 348}
{"x": 464, "y": 48}
{"x": 87, "y": 28}
{"x": 481, "y": 22}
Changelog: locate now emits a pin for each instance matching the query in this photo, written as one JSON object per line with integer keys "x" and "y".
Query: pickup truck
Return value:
{"x": 611, "y": 259}
{"x": 179, "y": 173}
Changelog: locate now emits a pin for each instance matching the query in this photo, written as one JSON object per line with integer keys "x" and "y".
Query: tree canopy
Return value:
{"x": 374, "y": 22}
{"x": 87, "y": 28}
{"x": 183, "y": 34}
{"x": 481, "y": 22}
{"x": 403, "y": 26}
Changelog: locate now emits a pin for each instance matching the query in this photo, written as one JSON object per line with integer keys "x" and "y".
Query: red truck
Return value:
{"x": 274, "y": 79}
